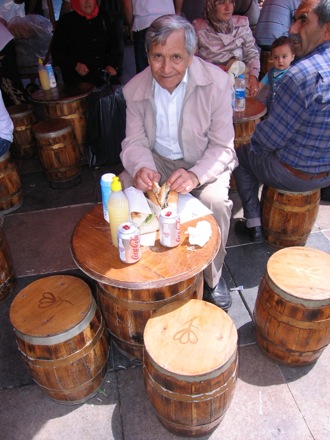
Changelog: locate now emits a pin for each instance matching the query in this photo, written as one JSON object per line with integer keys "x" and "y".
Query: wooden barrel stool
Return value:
{"x": 23, "y": 118}
{"x": 7, "y": 276}
{"x": 62, "y": 337}
{"x": 190, "y": 365}
{"x": 58, "y": 152}
{"x": 292, "y": 310}
{"x": 127, "y": 311}
{"x": 11, "y": 194}
{"x": 288, "y": 217}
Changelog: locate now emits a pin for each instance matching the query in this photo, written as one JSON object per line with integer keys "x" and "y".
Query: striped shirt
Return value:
{"x": 298, "y": 124}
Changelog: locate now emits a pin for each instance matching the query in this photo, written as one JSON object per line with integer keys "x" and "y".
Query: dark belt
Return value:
{"x": 302, "y": 175}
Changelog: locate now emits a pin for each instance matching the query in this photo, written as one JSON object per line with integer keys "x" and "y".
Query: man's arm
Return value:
{"x": 128, "y": 11}
{"x": 178, "y": 6}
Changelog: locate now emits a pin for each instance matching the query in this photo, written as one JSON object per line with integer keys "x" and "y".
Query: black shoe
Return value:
{"x": 255, "y": 233}
{"x": 219, "y": 295}
{"x": 325, "y": 194}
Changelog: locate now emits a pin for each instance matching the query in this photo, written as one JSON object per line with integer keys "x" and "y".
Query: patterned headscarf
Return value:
{"x": 223, "y": 27}
{"x": 75, "y": 5}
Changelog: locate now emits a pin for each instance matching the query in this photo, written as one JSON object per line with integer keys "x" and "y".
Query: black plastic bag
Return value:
{"x": 105, "y": 127}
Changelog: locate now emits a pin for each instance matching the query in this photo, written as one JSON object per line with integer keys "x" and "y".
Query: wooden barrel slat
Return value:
{"x": 190, "y": 365}
{"x": 288, "y": 217}
{"x": 62, "y": 337}
{"x": 7, "y": 275}
{"x": 292, "y": 310}
{"x": 23, "y": 118}
{"x": 58, "y": 150}
{"x": 127, "y": 311}
{"x": 11, "y": 194}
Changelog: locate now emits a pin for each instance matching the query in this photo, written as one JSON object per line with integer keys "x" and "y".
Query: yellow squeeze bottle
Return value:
{"x": 43, "y": 75}
{"x": 118, "y": 208}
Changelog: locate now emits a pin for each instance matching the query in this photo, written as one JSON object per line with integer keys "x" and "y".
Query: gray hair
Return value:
{"x": 161, "y": 28}
{"x": 322, "y": 10}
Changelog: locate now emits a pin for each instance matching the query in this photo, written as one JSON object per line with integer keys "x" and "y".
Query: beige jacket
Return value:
{"x": 206, "y": 133}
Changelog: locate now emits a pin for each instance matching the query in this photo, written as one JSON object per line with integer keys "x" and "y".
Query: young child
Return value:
{"x": 282, "y": 53}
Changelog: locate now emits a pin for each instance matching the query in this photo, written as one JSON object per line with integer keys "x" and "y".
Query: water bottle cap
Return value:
{"x": 241, "y": 75}
{"x": 116, "y": 184}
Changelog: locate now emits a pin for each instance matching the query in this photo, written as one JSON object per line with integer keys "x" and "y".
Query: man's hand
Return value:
{"x": 81, "y": 69}
{"x": 183, "y": 181}
{"x": 144, "y": 177}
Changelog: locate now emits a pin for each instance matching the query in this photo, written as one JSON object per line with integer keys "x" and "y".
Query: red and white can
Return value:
{"x": 169, "y": 228}
{"x": 129, "y": 243}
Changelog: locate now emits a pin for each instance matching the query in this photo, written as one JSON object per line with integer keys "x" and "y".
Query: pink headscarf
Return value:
{"x": 75, "y": 5}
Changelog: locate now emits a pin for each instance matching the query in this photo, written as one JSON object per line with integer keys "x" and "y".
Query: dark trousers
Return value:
{"x": 254, "y": 169}
{"x": 140, "y": 54}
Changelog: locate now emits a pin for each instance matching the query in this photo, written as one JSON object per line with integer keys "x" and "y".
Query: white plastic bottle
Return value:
{"x": 118, "y": 208}
{"x": 239, "y": 105}
{"x": 43, "y": 75}
{"x": 51, "y": 75}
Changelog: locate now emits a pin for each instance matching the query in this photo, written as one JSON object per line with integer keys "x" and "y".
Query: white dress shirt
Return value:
{"x": 168, "y": 109}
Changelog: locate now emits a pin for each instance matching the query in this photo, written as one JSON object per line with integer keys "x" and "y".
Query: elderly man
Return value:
{"x": 290, "y": 150}
{"x": 179, "y": 129}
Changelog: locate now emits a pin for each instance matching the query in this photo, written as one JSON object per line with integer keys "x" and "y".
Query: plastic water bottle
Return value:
{"x": 239, "y": 105}
{"x": 51, "y": 75}
{"x": 118, "y": 208}
{"x": 105, "y": 182}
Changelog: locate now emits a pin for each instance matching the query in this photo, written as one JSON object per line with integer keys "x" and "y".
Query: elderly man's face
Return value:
{"x": 169, "y": 62}
{"x": 307, "y": 34}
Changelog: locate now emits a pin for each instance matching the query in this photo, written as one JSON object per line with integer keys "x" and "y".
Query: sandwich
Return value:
{"x": 163, "y": 196}
{"x": 146, "y": 223}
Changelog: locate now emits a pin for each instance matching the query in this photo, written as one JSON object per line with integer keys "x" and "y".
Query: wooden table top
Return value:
{"x": 63, "y": 92}
{"x": 254, "y": 109}
{"x": 94, "y": 254}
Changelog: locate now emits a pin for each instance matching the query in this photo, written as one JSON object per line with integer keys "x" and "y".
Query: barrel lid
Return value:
{"x": 301, "y": 272}
{"x": 190, "y": 338}
{"x": 20, "y": 109}
{"x": 50, "y": 306}
{"x": 51, "y": 126}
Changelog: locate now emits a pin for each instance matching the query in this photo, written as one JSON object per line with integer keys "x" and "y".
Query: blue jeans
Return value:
{"x": 4, "y": 146}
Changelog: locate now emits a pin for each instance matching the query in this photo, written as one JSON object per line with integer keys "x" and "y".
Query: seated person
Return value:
{"x": 179, "y": 130}
{"x": 85, "y": 45}
{"x": 282, "y": 54}
{"x": 224, "y": 38}
{"x": 11, "y": 85}
{"x": 6, "y": 128}
{"x": 290, "y": 150}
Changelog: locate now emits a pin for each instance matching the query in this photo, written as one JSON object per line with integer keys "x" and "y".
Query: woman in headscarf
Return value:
{"x": 224, "y": 38}
{"x": 85, "y": 44}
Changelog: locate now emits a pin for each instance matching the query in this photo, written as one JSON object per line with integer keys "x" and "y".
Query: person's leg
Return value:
{"x": 215, "y": 196}
{"x": 141, "y": 59}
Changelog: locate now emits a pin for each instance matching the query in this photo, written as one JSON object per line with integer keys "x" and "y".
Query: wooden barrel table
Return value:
{"x": 292, "y": 310}
{"x": 245, "y": 123}
{"x": 288, "y": 217}
{"x": 128, "y": 294}
{"x": 67, "y": 101}
{"x": 58, "y": 152}
{"x": 23, "y": 118}
{"x": 62, "y": 337}
{"x": 190, "y": 365}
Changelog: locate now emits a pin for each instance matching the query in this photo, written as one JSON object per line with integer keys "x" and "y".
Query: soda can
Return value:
{"x": 105, "y": 182}
{"x": 129, "y": 243}
{"x": 169, "y": 228}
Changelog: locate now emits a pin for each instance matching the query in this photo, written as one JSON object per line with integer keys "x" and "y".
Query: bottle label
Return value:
{"x": 239, "y": 93}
